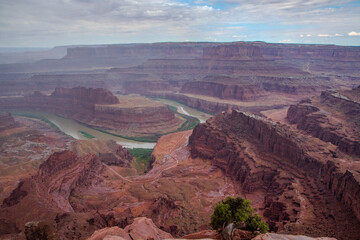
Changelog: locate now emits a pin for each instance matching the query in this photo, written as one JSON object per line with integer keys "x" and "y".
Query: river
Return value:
{"x": 73, "y": 128}
{"x": 186, "y": 109}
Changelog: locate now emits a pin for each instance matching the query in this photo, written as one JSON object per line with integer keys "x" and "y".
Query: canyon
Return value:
{"x": 300, "y": 183}
{"x": 280, "y": 135}
{"x": 240, "y": 74}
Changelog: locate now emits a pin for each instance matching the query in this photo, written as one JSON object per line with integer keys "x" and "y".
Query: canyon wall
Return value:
{"x": 223, "y": 91}
{"x": 321, "y": 116}
{"x": 262, "y": 50}
{"x": 243, "y": 51}
{"x": 263, "y": 156}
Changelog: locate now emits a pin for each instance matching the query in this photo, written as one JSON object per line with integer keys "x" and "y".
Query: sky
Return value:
{"x": 48, "y": 23}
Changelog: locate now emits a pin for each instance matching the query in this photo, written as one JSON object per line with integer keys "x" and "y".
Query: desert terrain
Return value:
{"x": 164, "y": 131}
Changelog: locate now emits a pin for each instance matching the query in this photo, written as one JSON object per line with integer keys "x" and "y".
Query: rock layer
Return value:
{"x": 293, "y": 173}
{"x": 332, "y": 117}
{"x": 100, "y": 108}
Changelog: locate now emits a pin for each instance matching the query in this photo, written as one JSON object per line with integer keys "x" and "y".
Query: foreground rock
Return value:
{"x": 141, "y": 228}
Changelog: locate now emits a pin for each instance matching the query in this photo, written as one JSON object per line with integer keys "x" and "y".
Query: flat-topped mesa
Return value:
{"x": 141, "y": 51}
{"x": 307, "y": 51}
{"x": 333, "y": 117}
{"x": 270, "y": 51}
{"x": 296, "y": 174}
{"x": 243, "y": 51}
{"x": 89, "y": 95}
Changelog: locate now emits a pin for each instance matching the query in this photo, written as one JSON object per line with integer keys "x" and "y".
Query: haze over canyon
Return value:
{"x": 103, "y": 141}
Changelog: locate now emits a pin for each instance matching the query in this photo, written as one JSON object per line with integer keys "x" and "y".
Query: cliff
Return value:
{"x": 88, "y": 95}
{"x": 224, "y": 91}
{"x": 294, "y": 173}
{"x": 243, "y": 51}
{"x": 332, "y": 117}
{"x": 262, "y": 50}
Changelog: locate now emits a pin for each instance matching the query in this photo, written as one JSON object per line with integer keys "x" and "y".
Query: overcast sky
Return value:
{"x": 48, "y": 23}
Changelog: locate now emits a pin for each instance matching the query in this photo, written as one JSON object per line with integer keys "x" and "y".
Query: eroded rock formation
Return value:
{"x": 100, "y": 108}
{"x": 289, "y": 175}
{"x": 49, "y": 190}
{"x": 332, "y": 117}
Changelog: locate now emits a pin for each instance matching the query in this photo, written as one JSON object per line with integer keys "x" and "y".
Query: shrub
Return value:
{"x": 237, "y": 210}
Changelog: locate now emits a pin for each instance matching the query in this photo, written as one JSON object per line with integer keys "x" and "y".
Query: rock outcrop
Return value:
{"x": 6, "y": 121}
{"x": 48, "y": 191}
{"x": 270, "y": 236}
{"x": 141, "y": 228}
{"x": 118, "y": 155}
{"x": 293, "y": 173}
{"x": 332, "y": 117}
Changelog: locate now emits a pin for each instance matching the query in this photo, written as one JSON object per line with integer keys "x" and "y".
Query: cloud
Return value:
{"x": 285, "y": 41}
{"x": 352, "y": 34}
{"x": 60, "y": 22}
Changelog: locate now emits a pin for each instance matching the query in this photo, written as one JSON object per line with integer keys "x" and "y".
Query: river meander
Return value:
{"x": 74, "y": 129}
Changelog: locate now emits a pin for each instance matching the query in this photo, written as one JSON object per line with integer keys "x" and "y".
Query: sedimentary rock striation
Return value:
{"x": 332, "y": 117}
{"x": 288, "y": 174}
{"x": 100, "y": 108}
{"x": 48, "y": 191}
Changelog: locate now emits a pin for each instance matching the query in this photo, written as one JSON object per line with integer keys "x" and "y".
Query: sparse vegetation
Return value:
{"x": 142, "y": 156}
{"x": 152, "y": 138}
{"x": 239, "y": 211}
{"x": 190, "y": 122}
{"x": 87, "y": 135}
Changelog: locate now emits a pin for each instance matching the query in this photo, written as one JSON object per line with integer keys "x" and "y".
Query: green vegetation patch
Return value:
{"x": 239, "y": 211}
{"x": 142, "y": 157}
{"x": 34, "y": 116}
{"x": 87, "y": 135}
{"x": 190, "y": 123}
{"x": 152, "y": 138}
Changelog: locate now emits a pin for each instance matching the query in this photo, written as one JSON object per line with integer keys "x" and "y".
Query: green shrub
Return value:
{"x": 239, "y": 211}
